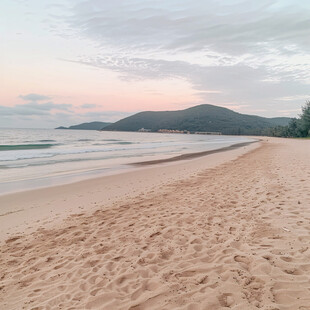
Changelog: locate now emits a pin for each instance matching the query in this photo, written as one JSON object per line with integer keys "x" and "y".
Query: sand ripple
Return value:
{"x": 234, "y": 237}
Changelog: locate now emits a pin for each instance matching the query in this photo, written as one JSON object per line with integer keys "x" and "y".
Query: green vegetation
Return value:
{"x": 298, "y": 127}
{"x": 199, "y": 118}
{"x": 87, "y": 126}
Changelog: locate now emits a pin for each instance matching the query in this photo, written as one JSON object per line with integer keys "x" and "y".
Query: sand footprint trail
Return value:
{"x": 234, "y": 237}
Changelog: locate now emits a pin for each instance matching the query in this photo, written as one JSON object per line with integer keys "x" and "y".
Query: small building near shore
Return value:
{"x": 144, "y": 130}
{"x": 208, "y": 133}
{"x": 172, "y": 131}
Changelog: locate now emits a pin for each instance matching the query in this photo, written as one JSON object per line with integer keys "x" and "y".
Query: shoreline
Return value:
{"x": 60, "y": 179}
{"x": 27, "y": 210}
{"x": 228, "y": 230}
{"x": 189, "y": 156}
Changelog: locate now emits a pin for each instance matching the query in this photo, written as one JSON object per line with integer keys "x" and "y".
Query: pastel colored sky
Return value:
{"x": 71, "y": 61}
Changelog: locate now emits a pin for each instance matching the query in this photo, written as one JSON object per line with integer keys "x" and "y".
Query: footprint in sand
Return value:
{"x": 226, "y": 300}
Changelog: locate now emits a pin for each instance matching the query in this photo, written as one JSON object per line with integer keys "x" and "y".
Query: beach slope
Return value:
{"x": 232, "y": 236}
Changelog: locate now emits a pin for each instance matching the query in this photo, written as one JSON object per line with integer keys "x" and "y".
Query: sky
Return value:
{"x": 72, "y": 61}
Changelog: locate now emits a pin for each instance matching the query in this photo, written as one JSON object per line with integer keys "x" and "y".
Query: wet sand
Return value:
{"x": 192, "y": 155}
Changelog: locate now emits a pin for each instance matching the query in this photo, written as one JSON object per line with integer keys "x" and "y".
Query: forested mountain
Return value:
{"x": 204, "y": 118}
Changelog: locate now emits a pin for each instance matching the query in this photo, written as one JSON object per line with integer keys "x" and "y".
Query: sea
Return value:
{"x": 33, "y": 158}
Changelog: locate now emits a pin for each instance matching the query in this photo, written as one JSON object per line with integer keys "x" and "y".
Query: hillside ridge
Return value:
{"x": 200, "y": 118}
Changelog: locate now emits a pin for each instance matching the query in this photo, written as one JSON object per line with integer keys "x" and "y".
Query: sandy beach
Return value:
{"x": 229, "y": 230}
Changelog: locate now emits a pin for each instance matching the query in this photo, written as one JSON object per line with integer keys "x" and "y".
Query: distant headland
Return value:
{"x": 87, "y": 126}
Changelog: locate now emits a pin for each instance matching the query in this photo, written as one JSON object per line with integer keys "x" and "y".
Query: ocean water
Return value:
{"x": 31, "y": 158}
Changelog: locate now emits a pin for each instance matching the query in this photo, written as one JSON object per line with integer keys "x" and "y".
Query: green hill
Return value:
{"x": 199, "y": 118}
{"x": 87, "y": 126}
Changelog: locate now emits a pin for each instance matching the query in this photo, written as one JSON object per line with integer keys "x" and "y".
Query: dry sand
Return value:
{"x": 205, "y": 234}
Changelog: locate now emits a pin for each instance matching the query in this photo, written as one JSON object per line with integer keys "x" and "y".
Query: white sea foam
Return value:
{"x": 31, "y": 153}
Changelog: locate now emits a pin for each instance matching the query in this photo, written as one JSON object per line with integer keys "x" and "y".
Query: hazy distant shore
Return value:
{"x": 229, "y": 230}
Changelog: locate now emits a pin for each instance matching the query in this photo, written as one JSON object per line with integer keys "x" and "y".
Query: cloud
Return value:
{"x": 88, "y": 106}
{"x": 294, "y": 98}
{"x": 50, "y": 115}
{"x": 232, "y": 27}
{"x": 33, "y": 108}
{"x": 236, "y": 85}
{"x": 48, "y": 106}
{"x": 34, "y": 97}
{"x": 246, "y": 53}
{"x": 107, "y": 116}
